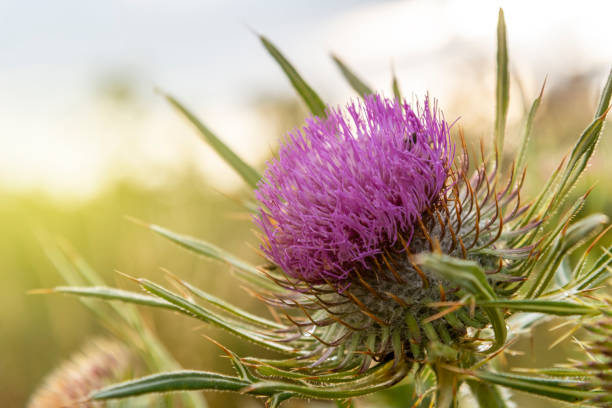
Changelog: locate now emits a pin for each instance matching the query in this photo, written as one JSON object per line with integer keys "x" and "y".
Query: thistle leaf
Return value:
{"x": 470, "y": 276}
{"x": 275, "y": 400}
{"x": 243, "y": 269}
{"x": 395, "y": 86}
{"x": 228, "y": 307}
{"x": 381, "y": 378}
{"x": 522, "y": 154}
{"x": 564, "y": 390}
{"x": 551, "y": 307}
{"x": 76, "y": 271}
{"x": 184, "y": 380}
{"x": 502, "y": 92}
{"x": 356, "y": 83}
{"x": 309, "y": 96}
{"x": 564, "y": 274}
{"x": 583, "y": 149}
{"x": 107, "y": 293}
{"x": 598, "y": 273}
{"x": 248, "y": 174}
{"x": 564, "y": 244}
{"x": 230, "y": 325}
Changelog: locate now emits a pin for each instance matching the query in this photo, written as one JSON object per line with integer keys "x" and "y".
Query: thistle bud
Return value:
{"x": 99, "y": 363}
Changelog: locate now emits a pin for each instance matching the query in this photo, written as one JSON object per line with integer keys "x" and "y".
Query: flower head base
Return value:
{"x": 344, "y": 187}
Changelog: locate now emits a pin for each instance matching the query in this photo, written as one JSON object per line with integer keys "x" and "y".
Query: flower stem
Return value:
{"x": 487, "y": 395}
{"x": 446, "y": 396}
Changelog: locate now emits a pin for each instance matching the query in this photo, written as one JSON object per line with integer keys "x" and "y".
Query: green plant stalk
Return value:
{"x": 487, "y": 395}
{"x": 448, "y": 385}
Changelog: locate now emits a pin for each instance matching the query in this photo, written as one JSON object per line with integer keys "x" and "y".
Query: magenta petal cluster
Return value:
{"x": 344, "y": 187}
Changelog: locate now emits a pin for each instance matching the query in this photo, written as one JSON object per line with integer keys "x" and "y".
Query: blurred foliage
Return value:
{"x": 37, "y": 332}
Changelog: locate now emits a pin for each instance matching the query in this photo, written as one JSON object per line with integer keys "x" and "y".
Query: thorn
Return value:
{"x": 543, "y": 86}
{"x": 137, "y": 221}
{"x": 40, "y": 291}
{"x": 221, "y": 346}
{"x": 130, "y": 277}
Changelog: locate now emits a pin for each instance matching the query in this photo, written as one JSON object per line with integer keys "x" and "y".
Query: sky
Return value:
{"x": 61, "y": 133}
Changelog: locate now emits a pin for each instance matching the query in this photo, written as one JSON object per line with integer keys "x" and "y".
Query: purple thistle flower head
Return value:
{"x": 344, "y": 187}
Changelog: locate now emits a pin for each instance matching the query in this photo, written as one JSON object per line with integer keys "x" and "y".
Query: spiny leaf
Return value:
{"x": 356, "y": 83}
{"x": 395, "y": 86}
{"x": 275, "y": 400}
{"x": 184, "y": 380}
{"x": 583, "y": 149}
{"x": 107, "y": 293}
{"x": 598, "y": 273}
{"x": 309, "y": 96}
{"x": 208, "y": 316}
{"x": 228, "y": 307}
{"x": 248, "y": 174}
{"x": 239, "y": 366}
{"x": 380, "y": 379}
{"x": 565, "y": 243}
{"x": 551, "y": 307}
{"x": 470, "y": 276}
{"x": 564, "y": 390}
{"x": 243, "y": 269}
{"x": 502, "y": 93}
{"x": 522, "y": 154}
{"x": 75, "y": 270}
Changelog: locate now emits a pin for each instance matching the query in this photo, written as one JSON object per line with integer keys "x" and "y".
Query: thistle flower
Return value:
{"x": 352, "y": 185}
{"x": 101, "y": 362}
{"x": 392, "y": 254}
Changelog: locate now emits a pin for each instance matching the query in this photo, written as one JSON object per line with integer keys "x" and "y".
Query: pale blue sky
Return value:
{"x": 54, "y": 134}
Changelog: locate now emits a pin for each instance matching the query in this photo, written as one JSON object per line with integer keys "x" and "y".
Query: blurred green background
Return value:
{"x": 153, "y": 168}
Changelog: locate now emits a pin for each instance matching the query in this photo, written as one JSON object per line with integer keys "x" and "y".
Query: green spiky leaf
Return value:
{"x": 470, "y": 276}
{"x": 308, "y": 95}
{"x": 551, "y": 307}
{"x": 243, "y": 269}
{"x": 248, "y": 173}
{"x": 356, "y": 83}
{"x": 564, "y": 390}
{"x": 184, "y": 380}
{"x": 502, "y": 92}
